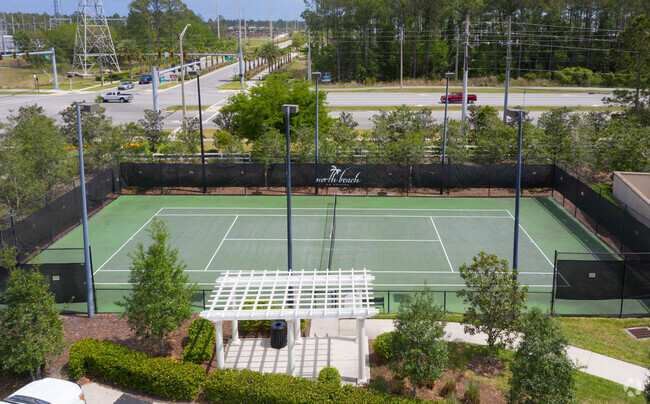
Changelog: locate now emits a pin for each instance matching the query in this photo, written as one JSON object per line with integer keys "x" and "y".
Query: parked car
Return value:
{"x": 458, "y": 97}
{"x": 125, "y": 85}
{"x": 47, "y": 391}
{"x": 116, "y": 96}
{"x": 145, "y": 79}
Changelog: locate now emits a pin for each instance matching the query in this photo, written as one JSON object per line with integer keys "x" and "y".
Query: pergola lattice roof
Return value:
{"x": 278, "y": 294}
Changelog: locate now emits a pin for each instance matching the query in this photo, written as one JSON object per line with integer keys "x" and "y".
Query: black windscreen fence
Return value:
{"x": 609, "y": 219}
{"x": 42, "y": 221}
{"x": 334, "y": 175}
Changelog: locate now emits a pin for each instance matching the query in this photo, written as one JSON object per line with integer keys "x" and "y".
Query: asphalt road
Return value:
{"x": 213, "y": 98}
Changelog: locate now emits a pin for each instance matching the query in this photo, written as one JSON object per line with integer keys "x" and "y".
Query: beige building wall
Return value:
{"x": 633, "y": 189}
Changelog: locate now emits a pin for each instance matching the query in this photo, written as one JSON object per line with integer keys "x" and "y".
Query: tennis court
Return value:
{"x": 406, "y": 242}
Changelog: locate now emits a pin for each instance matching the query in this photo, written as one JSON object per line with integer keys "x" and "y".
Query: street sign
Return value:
{"x": 326, "y": 77}
{"x": 228, "y": 57}
{"x": 47, "y": 57}
{"x": 173, "y": 76}
{"x": 166, "y": 54}
{"x": 162, "y": 79}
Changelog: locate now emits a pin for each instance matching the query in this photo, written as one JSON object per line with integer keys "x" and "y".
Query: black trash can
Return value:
{"x": 278, "y": 334}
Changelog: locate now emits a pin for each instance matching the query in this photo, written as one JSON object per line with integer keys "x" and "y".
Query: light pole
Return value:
{"x": 517, "y": 113}
{"x": 444, "y": 131}
{"x": 198, "y": 87}
{"x": 288, "y": 110}
{"x": 180, "y": 37}
{"x": 316, "y": 76}
{"x": 84, "y": 209}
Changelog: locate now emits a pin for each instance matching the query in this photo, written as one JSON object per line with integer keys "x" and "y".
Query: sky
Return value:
{"x": 255, "y": 9}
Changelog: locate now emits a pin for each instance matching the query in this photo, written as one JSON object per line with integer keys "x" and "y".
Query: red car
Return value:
{"x": 458, "y": 97}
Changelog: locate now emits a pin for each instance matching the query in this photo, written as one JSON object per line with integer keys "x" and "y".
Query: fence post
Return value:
{"x": 620, "y": 315}
{"x": 444, "y": 301}
{"x": 119, "y": 177}
{"x": 553, "y": 180}
{"x": 554, "y": 283}
{"x": 92, "y": 277}
{"x": 575, "y": 201}
{"x": 600, "y": 195}
{"x": 13, "y": 227}
{"x": 620, "y": 236}
{"x": 389, "y": 302}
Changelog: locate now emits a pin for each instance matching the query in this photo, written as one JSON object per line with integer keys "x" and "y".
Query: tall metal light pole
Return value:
{"x": 180, "y": 38}
{"x": 198, "y": 87}
{"x": 517, "y": 113}
{"x": 218, "y": 18}
{"x": 241, "y": 55}
{"x": 316, "y": 76}
{"x": 444, "y": 131}
{"x": 84, "y": 209}
{"x": 288, "y": 110}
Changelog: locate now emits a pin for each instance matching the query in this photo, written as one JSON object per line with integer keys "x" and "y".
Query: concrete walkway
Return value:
{"x": 627, "y": 374}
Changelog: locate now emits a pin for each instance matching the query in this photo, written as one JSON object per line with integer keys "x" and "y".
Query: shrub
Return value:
{"x": 472, "y": 394}
{"x": 449, "y": 388}
{"x": 200, "y": 346}
{"x": 329, "y": 376}
{"x": 246, "y": 386}
{"x": 529, "y": 76}
{"x": 133, "y": 370}
{"x": 379, "y": 384}
{"x": 383, "y": 345}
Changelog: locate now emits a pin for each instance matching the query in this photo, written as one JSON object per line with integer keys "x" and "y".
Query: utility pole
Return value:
{"x": 309, "y": 54}
{"x": 245, "y": 30}
{"x": 508, "y": 58}
{"x": 271, "y": 22}
{"x": 401, "y": 56}
{"x": 456, "y": 67}
{"x": 241, "y": 54}
{"x": 218, "y": 18}
{"x": 465, "y": 64}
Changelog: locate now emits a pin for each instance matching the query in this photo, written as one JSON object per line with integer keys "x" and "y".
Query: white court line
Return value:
{"x": 327, "y": 239}
{"x": 441, "y": 243}
{"x": 531, "y": 240}
{"x": 399, "y": 209}
{"x": 284, "y": 215}
{"x": 220, "y": 244}
{"x": 127, "y": 241}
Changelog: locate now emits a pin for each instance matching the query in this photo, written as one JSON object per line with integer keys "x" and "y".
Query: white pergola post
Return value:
{"x": 235, "y": 333}
{"x": 363, "y": 347}
{"x": 219, "y": 344}
{"x": 290, "y": 345}
{"x": 297, "y": 335}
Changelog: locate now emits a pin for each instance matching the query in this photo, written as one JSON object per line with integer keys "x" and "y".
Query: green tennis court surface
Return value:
{"x": 405, "y": 242}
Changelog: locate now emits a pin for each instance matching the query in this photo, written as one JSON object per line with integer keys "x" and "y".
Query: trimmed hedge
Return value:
{"x": 247, "y": 386}
{"x": 201, "y": 341}
{"x": 134, "y": 370}
{"x": 383, "y": 345}
{"x": 329, "y": 376}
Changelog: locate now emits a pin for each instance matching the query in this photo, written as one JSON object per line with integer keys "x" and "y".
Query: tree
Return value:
{"x": 31, "y": 331}
{"x": 129, "y": 50}
{"x": 187, "y": 139}
{"x": 159, "y": 302}
{"x": 248, "y": 114}
{"x": 419, "y": 352}
{"x": 33, "y": 156}
{"x": 269, "y": 52}
{"x": 494, "y": 297}
{"x": 400, "y": 135}
{"x": 541, "y": 370}
{"x": 152, "y": 130}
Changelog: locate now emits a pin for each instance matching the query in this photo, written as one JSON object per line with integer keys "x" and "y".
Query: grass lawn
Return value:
{"x": 606, "y": 336}
{"x": 187, "y": 107}
{"x": 164, "y": 86}
{"x": 235, "y": 85}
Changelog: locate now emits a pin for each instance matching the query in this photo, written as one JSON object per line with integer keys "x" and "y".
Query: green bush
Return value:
{"x": 472, "y": 394}
{"x": 329, "y": 376}
{"x": 133, "y": 370}
{"x": 449, "y": 388}
{"x": 246, "y": 386}
{"x": 200, "y": 346}
{"x": 529, "y": 76}
{"x": 383, "y": 345}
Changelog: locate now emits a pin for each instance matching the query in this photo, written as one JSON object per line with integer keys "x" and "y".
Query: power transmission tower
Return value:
{"x": 508, "y": 59}
{"x": 93, "y": 42}
{"x": 465, "y": 69}
{"x": 57, "y": 13}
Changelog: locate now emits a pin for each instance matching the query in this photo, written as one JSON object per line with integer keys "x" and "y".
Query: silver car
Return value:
{"x": 47, "y": 391}
{"x": 126, "y": 85}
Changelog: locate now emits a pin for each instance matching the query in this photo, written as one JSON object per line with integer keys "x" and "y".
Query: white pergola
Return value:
{"x": 291, "y": 296}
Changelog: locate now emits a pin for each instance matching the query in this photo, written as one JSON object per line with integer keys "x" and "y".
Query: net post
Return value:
{"x": 554, "y": 284}
{"x": 620, "y": 315}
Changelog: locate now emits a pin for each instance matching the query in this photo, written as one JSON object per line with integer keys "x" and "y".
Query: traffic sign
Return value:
{"x": 173, "y": 76}
{"x": 228, "y": 57}
{"x": 162, "y": 79}
{"x": 326, "y": 77}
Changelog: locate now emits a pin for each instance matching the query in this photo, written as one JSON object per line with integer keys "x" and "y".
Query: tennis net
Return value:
{"x": 332, "y": 234}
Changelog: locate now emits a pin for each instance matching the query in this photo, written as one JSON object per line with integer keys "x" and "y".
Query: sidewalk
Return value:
{"x": 624, "y": 373}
